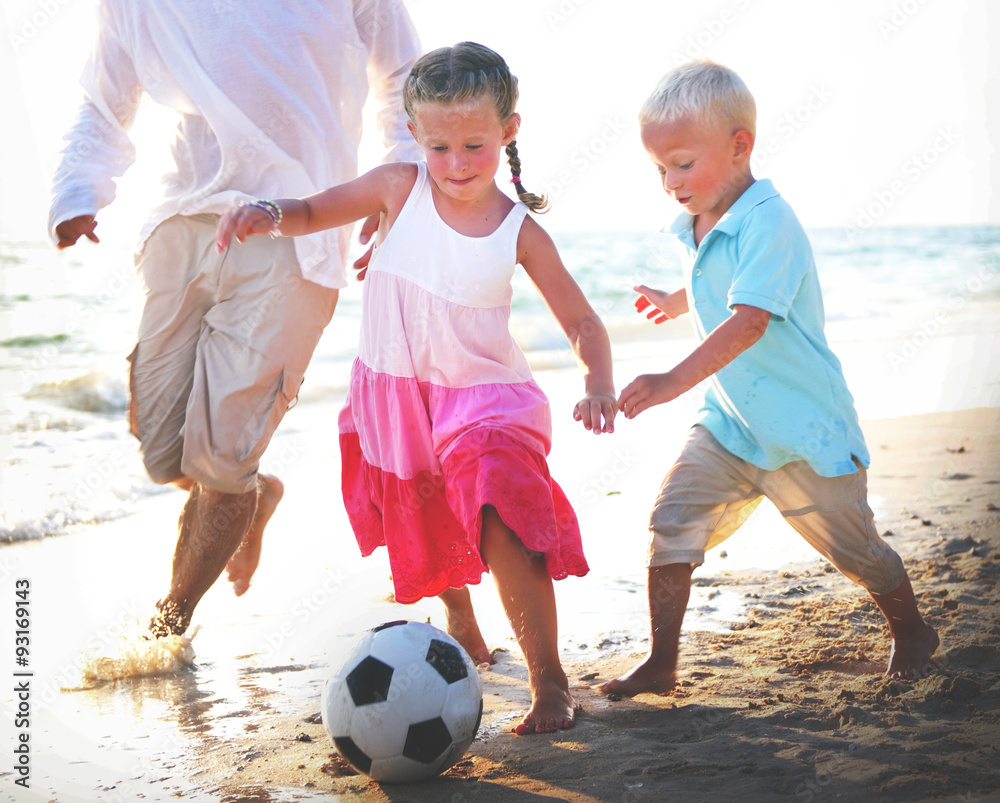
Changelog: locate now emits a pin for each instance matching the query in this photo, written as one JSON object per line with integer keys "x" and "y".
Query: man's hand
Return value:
{"x": 368, "y": 229}
{"x": 69, "y": 231}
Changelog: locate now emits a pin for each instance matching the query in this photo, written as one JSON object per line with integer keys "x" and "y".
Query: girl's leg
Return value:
{"x": 461, "y": 624}
{"x": 528, "y": 598}
{"x": 669, "y": 590}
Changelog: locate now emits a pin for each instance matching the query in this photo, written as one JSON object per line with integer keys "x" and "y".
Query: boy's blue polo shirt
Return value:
{"x": 785, "y": 398}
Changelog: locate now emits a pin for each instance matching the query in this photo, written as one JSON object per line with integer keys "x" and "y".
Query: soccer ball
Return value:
{"x": 405, "y": 705}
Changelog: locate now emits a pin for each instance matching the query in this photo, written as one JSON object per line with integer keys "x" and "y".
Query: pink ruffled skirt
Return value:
{"x": 431, "y": 523}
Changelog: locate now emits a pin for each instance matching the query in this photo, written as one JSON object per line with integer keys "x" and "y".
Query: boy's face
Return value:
{"x": 704, "y": 169}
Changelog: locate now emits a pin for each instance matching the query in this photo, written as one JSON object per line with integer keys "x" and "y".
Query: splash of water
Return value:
{"x": 137, "y": 655}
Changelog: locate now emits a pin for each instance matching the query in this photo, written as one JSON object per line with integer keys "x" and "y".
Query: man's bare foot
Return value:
{"x": 911, "y": 656}
{"x": 644, "y": 677}
{"x": 244, "y": 561}
{"x": 551, "y": 710}
{"x": 168, "y": 620}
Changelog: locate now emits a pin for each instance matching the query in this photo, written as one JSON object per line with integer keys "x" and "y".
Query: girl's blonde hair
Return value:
{"x": 468, "y": 72}
{"x": 704, "y": 91}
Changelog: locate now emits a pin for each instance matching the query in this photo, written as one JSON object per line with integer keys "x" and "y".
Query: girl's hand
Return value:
{"x": 595, "y": 406}
{"x": 664, "y": 305}
{"x": 241, "y": 222}
{"x": 646, "y": 391}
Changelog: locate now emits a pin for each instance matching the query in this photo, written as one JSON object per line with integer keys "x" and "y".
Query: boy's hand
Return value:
{"x": 664, "y": 305}
{"x": 592, "y": 408}
{"x": 241, "y": 222}
{"x": 647, "y": 391}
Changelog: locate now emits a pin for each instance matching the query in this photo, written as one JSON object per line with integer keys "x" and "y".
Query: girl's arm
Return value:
{"x": 664, "y": 305}
{"x": 723, "y": 345}
{"x": 382, "y": 190}
{"x": 538, "y": 256}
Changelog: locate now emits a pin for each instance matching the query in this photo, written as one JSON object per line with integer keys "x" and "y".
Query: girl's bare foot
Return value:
{"x": 551, "y": 710}
{"x": 911, "y": 656}
{"x": 645, "y": 677}
{"x": 461, "y": 624}
{"x": 244, "y": 561}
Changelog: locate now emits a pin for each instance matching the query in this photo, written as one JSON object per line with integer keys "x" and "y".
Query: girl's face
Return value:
{"x": 462, "y": 143}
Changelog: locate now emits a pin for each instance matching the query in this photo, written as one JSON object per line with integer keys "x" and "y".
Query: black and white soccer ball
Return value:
{"x": 406, "y": 703}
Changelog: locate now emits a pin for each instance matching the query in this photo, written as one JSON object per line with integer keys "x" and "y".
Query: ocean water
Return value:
{"x": 913, "y": 313}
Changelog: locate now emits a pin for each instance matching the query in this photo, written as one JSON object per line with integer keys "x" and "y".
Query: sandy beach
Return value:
{"x": 780, "y": 695}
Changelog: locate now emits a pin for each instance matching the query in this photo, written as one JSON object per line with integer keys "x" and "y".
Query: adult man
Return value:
{"x": 269, "y": 98}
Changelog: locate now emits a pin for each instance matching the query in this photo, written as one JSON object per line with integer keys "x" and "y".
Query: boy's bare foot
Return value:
{"x": 644, "y": 677}
{"x": 551, "y": 710}
{"x": 911, "y": 656}
{"x": 244, "y": 561}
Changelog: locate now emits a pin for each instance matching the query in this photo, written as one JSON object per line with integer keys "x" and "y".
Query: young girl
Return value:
{"x": 444, "y": 434}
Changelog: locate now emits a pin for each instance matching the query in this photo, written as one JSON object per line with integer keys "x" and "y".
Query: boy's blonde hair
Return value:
{"x": 468, "y": 72}
{"x": 713, "y": 95}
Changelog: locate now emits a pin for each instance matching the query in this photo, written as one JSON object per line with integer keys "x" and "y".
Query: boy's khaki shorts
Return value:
{"x": 223, "y": 345}
{"x": 709, "y": 493}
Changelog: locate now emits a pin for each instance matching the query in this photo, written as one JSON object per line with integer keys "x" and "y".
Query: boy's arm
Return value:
{"x": 724, "y": 344}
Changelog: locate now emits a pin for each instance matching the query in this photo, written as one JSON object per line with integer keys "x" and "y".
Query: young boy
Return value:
{"x": 778, "y": 419}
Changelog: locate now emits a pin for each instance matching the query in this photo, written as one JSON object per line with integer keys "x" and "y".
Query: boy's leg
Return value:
{"x": 913, "y": 640}
{"x": 461, "y": 624}
{"x": 833, "y": 515}
{"x": 705, "y": 497}
{"x": 669, "y": 589}
{"x": 528, "y": 598}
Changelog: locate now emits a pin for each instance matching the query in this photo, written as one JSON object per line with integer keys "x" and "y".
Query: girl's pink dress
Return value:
{"x": 442, "y": 415}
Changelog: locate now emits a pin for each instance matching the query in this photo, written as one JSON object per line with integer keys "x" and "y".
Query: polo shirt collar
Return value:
{"x": 758, "y": 192}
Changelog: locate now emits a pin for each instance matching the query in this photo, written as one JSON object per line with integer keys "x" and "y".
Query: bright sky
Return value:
{"x": 870, "y": 112}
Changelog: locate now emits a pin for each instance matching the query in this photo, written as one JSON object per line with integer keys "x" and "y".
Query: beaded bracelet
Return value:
{"x": 276, "y": 216}
{"x": 270, "y": 208}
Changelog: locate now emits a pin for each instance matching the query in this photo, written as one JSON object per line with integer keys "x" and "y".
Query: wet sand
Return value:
{"x": 780, "y": 694}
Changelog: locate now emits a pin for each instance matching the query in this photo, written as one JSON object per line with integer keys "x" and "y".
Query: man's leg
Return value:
{"x": 253, "y": 351}
{"x": 212, "y": 525}
{"x": 243, "y": 563}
